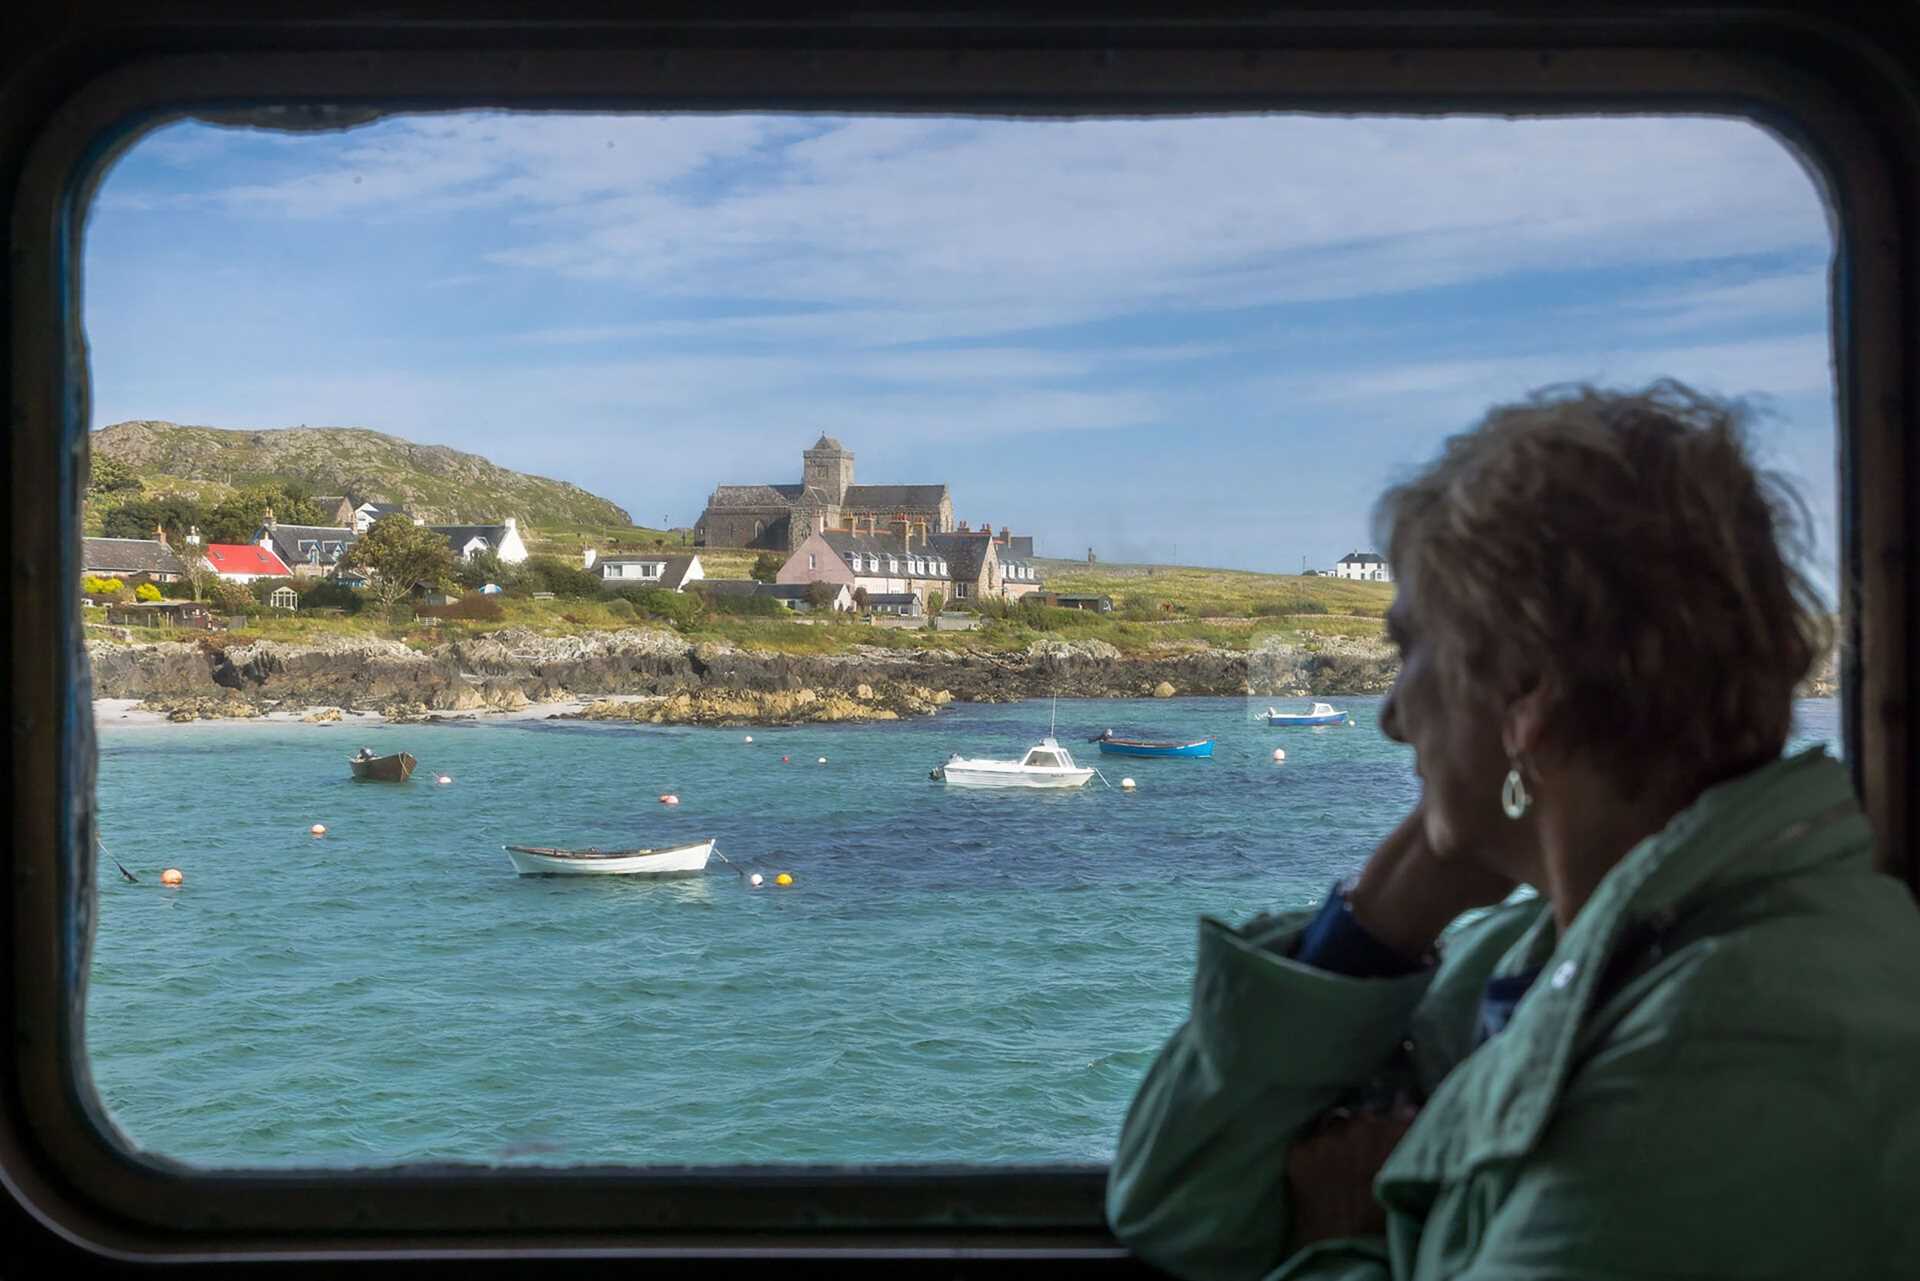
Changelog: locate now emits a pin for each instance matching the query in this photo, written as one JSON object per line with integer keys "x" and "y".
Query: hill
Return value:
{"x": 433, "y": 481}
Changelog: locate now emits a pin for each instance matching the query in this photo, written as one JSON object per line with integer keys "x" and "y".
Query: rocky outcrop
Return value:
{"x": 781, "y": 707}
{"x": 509, "y": 669}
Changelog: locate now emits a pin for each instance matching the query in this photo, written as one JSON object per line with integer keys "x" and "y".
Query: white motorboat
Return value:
{"x": 540, "y": 860}
{"x": 1047, "y": 764}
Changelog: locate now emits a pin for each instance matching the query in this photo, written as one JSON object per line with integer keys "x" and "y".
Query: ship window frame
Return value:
{"x": 63, "y": 1164}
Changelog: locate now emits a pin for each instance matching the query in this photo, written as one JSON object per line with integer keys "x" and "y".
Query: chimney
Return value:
{"x": 268, "y": 522}
{"x": 160, "y": 533}
{"x": 1006, "y": 535}
{"x": 513, "y": 524}
{"x": 964, "y": 528}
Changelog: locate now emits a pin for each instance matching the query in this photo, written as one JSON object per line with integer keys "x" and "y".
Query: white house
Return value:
{"x": 468, "y": 541}
{"x": 366, "y": 513}
{"x": 670, "y": 572}
{"x": 1364, "y": 566}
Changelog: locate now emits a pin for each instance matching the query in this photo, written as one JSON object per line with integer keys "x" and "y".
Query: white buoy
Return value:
{"x": 823, "y": 760}
{"x": 1279, "y": 753}
{"x": 669, "y": 799}
{"x": 318, "y": 829}
{"x": 1126, "y": 785}
{"x": 747, "y": 739}
{"x": 756, "y": 880}
{"x": 443, "y": 780}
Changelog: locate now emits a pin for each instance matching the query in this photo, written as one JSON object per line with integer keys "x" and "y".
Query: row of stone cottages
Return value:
{"x": 898, "y": 570}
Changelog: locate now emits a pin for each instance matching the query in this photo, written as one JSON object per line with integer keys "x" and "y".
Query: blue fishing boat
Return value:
{"x": 1116, "y": 746}
{"x": 1322, "y": 714}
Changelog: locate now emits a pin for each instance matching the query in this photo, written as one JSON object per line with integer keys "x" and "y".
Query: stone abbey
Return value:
{"x": 780, "y": 517}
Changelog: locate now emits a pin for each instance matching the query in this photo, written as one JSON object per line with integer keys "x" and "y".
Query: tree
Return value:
{"x": 859, "y": 598}
{"x": 400, "y": 554}
{"x": 766, "y": 567}
{"x": 198, "y": 573}
{"x": 174, "y": 513}
{"x": 108, "y": 476}
{"x": 234, "y": 518}
{"x": 548, "y": 574}
{"x": 820, "y": 595}
{"x": 484, "y": 567}
{"x": 232, "y": 598}
{"x": 935, "y": 603}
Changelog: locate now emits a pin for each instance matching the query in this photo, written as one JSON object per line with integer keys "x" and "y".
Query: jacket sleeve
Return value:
{"x": 1198, "y": 1183}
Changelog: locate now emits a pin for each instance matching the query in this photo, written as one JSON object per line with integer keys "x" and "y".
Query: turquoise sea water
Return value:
{"x": 955, "y": 975}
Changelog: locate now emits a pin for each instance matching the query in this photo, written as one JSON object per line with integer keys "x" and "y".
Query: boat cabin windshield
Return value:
{"x": 1323, "y": 709}
{"x": 1043, "y": 758}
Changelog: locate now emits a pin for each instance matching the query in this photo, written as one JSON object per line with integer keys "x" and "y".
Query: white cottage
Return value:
{"x": 671, "y": 572}
{"x": 468, "y": 541}
{"x": 1366, "y": 567}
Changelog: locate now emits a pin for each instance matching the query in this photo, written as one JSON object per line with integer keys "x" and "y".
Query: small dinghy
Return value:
{"x": 1116, "y": 746}
{"x": 381, "y": 769}
{"x": 541, "y": 860}
{"x": 1322, "y": 714}
{"x": 1046, "y": 764}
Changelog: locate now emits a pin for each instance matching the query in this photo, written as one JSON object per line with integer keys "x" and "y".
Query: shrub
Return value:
{"x": 548, "y": 574}
{"x": 746, "y": 606}
{"x": 1281, "y": 608}
{"x": 326, "y": 595}
{"x": 935, "y": 603}
{"x": 658, "y": 602}
{"x": 766, "y": 567}
{"x": 621, "y": 608}
{"x": 821, "y": 595}
{"x": 92, "y": 586}
{"x": 146, "y": 591}
{"x": 473, "y": 608}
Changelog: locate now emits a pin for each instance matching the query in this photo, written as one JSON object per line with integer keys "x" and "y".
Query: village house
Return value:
{"x": 468, "y": 541}
{"x": 364, "y": 514}
{"x": 779, "y": 517}
{"x": 310, "y": 551}
{"x": 129, "y": 558}
{"x": 335, "y": 509}
{"x": 963, "y": 565}
{"x": 1363, "y": 566}
{"x": 670, "y": 572}
{"x": 244, "y": 562}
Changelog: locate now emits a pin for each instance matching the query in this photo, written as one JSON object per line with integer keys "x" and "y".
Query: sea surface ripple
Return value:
{"x": 954, "y": 976}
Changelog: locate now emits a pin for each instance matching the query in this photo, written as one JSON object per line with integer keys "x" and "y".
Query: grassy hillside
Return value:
{"x": 1216, "y": 593}
{"x": 433, "y": 481}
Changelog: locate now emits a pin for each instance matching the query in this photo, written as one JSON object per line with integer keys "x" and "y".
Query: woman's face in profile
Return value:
{"x": 1456, "y": 741}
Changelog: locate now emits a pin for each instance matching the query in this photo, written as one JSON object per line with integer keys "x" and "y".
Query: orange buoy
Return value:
{"x": 172, "y": 877}
{"x": 318, "y": 829}
{"x": 786, "y": 760}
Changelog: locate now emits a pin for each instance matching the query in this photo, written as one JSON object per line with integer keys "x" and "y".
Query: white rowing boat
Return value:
{"x": 540, "y": 860}
{"x": 1047, "y": 764}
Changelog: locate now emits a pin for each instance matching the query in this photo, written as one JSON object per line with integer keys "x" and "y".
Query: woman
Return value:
{"x": 1696, "y": 1050}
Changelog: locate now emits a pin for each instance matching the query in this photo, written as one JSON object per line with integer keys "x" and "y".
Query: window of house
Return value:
{"x": 770, "y": 1096}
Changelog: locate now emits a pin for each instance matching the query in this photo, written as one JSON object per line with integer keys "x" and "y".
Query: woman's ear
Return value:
{"x": 1523, "y": 730}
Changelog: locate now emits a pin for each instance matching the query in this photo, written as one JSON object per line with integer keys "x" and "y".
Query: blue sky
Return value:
{"x": 1203, "y": 340}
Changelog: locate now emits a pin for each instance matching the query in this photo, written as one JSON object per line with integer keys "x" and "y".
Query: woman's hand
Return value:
{"x": 1330, "y": 1177}
{"x": 1407, "y": 895}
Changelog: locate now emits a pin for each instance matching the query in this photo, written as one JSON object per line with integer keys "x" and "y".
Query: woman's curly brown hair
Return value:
{"x": 1621, "y": 551}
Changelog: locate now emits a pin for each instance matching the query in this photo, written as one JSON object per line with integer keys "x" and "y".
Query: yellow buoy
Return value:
{"x": 785, "y": 878}
{"x": 318, "y": 829}
{"x": 172, "y": 877}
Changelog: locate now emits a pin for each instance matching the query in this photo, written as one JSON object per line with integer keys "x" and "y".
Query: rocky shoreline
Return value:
{"x": 658, "y": 677}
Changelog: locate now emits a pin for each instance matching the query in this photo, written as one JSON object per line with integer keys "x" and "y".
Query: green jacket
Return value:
{"x": 1717, "y": 1074}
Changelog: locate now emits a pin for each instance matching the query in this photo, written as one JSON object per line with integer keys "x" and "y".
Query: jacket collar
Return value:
{"x": 1786, "y": 817}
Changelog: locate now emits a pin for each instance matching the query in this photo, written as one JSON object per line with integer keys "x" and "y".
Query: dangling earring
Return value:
{"x": 1513, "y": 793}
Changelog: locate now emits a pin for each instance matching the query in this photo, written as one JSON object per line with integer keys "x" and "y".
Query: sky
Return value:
{"x": 1196, "y": 340}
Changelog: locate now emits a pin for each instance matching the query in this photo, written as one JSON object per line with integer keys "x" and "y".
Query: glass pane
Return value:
{"x": 1210, "y": 343}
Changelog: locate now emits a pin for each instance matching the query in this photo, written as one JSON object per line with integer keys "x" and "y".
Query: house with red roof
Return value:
{"x": 245, "y": 562}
